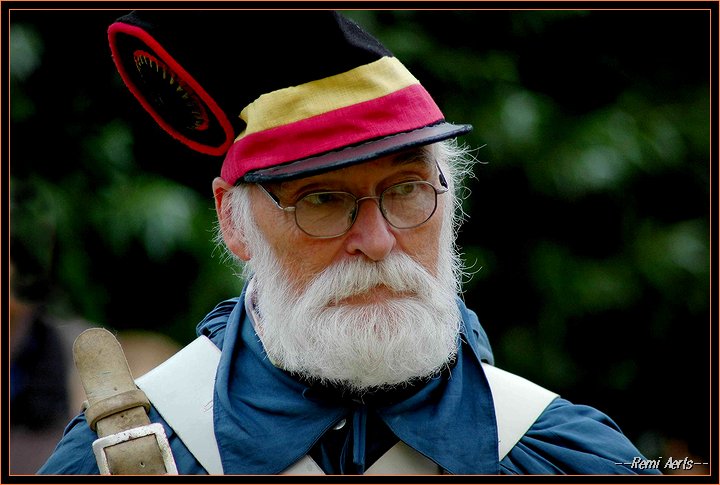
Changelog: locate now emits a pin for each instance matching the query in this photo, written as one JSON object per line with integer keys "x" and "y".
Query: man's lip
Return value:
{"x": 377, "y": 294}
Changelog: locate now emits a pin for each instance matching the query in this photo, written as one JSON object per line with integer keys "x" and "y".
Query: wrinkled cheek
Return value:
{"x": 298, "y": 273}
{"x": 430, "y": 258}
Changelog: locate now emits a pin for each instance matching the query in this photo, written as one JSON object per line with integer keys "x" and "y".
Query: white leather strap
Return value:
{"x": 181, "y": 389}
{"x": 518, "y": 403}
{"x": 403, "y": 460}
{"x": 304, "y": 466}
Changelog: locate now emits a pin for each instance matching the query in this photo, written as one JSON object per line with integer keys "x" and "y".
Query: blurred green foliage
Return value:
{"x": 588, "y": 232}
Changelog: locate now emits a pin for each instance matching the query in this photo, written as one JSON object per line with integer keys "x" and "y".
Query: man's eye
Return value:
{"x": 323, "y": 198}
{"x": 402, "y": 190}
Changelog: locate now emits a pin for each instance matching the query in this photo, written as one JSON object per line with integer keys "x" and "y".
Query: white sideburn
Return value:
{"x": 181, "y": 390}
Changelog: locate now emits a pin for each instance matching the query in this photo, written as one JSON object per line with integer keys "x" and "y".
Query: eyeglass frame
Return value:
{"x": 443, "y": 182}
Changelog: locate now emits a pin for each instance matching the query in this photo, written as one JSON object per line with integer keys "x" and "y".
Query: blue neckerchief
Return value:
{"x": 266, "y": 420}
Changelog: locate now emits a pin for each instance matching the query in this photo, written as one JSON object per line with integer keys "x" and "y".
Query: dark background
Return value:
{"x": 588, "y": 230}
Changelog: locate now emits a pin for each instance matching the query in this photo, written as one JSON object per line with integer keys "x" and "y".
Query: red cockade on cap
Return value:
{"x": 174, "y": 86}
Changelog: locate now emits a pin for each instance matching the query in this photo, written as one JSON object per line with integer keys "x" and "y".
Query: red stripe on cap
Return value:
{"x": 134, "y": 31}
{"x": 404, "y": 110}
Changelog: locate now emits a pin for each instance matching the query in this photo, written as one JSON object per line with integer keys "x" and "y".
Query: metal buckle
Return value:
{"x": 155, "y": 429}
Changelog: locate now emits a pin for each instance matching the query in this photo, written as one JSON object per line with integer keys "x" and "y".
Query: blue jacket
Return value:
{"x": 265, "y": 419}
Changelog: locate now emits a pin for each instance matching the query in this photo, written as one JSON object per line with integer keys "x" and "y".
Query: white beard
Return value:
{"x": 379, "y": 344}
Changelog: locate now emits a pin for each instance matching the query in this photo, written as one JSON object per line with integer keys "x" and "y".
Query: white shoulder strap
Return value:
{"x": 518, "y": 404}
{"x": 181, "y": 389}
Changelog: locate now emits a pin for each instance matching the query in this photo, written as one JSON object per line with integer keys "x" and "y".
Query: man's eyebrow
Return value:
{"x": 411, "y": 156}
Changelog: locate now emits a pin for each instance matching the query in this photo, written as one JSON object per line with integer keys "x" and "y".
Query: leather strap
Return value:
{"x": 518, "y": 404}
{"x": 115, "y": 405}
{"x": 107, "y": 407}
{"x": 181, "y": 389}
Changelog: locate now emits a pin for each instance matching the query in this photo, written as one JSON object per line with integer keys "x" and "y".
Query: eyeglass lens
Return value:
{"x": 328, "y": 214}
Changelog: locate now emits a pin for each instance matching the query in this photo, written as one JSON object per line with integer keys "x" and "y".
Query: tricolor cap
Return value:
{"x": 279, "y": 94}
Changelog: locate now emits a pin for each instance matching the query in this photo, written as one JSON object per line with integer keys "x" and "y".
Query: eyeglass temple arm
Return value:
{"x": 275, "y": 200}
{"x": 443, "y": 181}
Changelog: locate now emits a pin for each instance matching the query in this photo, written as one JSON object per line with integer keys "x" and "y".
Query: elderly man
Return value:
{"x": 349, "y": 351}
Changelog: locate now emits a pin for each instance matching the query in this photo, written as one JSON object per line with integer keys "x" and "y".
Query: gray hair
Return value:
{"x": 455, "y": 160}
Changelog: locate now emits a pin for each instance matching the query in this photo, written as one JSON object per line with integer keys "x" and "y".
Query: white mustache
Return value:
{"x": 398, "y": 273}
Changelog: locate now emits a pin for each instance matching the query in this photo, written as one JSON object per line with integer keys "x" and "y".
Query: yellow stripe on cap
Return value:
{"x": 288, "y": 105}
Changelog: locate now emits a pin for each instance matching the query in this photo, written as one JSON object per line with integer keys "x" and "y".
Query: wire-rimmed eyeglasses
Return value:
{"x": 332, "y": 213}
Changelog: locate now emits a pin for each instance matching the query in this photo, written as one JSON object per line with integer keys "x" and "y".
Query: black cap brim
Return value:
{"x": 352, "y": 155}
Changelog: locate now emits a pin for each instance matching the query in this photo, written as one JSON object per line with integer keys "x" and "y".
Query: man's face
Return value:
{"x": 370, "y": 238}
{"x": 373, "y": 307}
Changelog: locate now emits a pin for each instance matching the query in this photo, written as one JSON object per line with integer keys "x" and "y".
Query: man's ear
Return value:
{"x": 231, "y": 234}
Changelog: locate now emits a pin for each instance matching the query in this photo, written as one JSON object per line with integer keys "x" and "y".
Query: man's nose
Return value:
{"x": 370, "y": 234}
